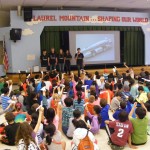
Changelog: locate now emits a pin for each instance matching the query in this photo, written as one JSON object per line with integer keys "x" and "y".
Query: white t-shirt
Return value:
{"x": 48, "y": 84}
{"x": 79, "y": 134}
{"x": 22, "y": 146}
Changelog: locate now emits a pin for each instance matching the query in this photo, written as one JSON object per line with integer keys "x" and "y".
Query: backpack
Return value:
{"x": 86, "y": 143}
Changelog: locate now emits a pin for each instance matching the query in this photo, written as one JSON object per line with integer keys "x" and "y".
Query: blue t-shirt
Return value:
{"x": 89, "y": 83}
{"x": 105, "y": 115}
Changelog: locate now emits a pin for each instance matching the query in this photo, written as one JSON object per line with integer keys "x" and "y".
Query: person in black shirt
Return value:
{"x": 10, "y": 129}
{"x": 52, "y": 59}
{"x": 67, "y": 61}
{"x": 44, "y": 60}
{"x": 79, "y": 60}
{"x": 61, "y": 60}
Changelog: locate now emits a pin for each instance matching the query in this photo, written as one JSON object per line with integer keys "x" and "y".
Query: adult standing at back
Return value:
{"x": 68, "y": 57}
{"x": 44, "y": 60}
{"x": 61, "y": 61}
{"x": 79, "y": 60}
{"x": 52, "y": 59}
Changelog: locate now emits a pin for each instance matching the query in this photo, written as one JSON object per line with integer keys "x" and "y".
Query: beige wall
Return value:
{"x": 4, "y": 18}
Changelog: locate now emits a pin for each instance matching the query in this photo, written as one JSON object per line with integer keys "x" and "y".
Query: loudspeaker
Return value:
{"x": 15, "y": 34}
{"x": 27, "y": 14}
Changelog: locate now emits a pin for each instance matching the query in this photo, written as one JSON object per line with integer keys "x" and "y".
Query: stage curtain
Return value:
{"x": 50, "y": 40}
{"x": 131, "y": 40}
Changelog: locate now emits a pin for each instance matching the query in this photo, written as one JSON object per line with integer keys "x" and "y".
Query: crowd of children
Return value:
{"x": 47, "y": 106}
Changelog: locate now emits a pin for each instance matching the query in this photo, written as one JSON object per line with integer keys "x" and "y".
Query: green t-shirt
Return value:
{"x": 139, "y": 135}
{"x": 1, "y": 86}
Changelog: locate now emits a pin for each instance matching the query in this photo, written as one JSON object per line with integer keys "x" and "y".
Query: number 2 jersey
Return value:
{"x": 122, "y": 130}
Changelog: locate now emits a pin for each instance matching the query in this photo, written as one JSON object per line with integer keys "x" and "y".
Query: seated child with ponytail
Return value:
{"x": 79, "y": 103}
{"x": 53, "y": 138}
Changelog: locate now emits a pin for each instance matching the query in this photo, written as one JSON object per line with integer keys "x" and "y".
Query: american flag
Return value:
{"x": 5, "y": 58}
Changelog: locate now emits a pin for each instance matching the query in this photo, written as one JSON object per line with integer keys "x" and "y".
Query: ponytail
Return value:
{"x": 79, "y": 94}
{"x": 99, "y": 117}
{"x": 50, "y": 130}
{"x": 48, "y": 139}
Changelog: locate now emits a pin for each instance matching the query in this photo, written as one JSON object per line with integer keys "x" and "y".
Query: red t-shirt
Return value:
{"x": 104, "y": 94}
{"x": 122, "y": 130}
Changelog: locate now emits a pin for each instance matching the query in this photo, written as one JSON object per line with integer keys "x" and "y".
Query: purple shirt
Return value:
{"x": 95, "y": 126}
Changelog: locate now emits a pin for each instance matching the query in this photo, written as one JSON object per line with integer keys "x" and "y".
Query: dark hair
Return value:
{"x": 147, "y": 105}
{"x": 79, "y": 87}
{"x": 33, "y": 95}
{"x": 140, "y": 88}
{"x": 132, "y": 81}
{"x": 37, "y": 76}
{"x": 98, "y": 76}
{"x": 34, "y": 117}
{"x": 5, "y": 85}
{"x": 32, "y": 81}
{"x": 107, "y": 86}
{"x": 141, "y": 112}
{"x": 80, "y": 124}
{"x": 68, "y": 102}
{"x": 123, "y": 116}
{"x": 9, "y": 116}
{"x": 123, "y": 104}
{"x": 131, "y": 99}
{"x": 50, "y": 115}
{"x": 118, "y": 94}
{"x": 79, "y": 94}
{"x": 103, "y": 102}
{"x": 5, "y": 90}
{"x": 21, "y": 88}
{"x": 46, "y": 78}
{"x": 76, "y": 115}
{"x": 96, "y": 73}
{"x": 78, "y": 49}
{"x": 119, "y": 86}
{"x": 50, "y": 130}
{"x": 97, "y": 110}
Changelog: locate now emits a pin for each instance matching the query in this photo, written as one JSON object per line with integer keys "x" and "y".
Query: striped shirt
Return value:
{"x": 5, "y": 100}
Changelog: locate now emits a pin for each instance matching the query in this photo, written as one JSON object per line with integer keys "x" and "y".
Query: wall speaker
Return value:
{"x": 15, "y": 34}
{"x": 27, "y": 14}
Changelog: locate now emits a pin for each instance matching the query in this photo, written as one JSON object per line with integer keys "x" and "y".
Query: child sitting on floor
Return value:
{"x": 139, "y": 135}
{"x": 120, "y": 131}
{"x": 67, "y": 113}
{"x": 10, "y": 129}
{"x": 95, "y": 119}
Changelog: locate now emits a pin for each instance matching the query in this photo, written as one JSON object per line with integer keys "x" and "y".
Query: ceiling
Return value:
{"x": 115, "y": 5}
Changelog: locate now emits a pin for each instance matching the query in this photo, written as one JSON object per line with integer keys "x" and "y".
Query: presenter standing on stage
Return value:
{"x": 61, "y": 61}
{"x": 44, "y": 60}
{"x": 79, "y": 60}
{"x": 68, "y": 57}
{"x": 52, "y": 59}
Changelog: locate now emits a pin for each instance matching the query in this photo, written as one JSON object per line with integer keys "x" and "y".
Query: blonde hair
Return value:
{"x": 91, "y": 98}
{"x": 56, "y": 96}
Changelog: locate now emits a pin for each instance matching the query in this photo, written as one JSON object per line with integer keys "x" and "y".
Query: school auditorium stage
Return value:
{"x": 15, "y": 76}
